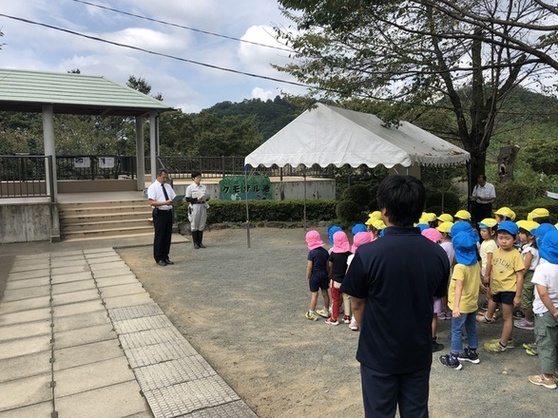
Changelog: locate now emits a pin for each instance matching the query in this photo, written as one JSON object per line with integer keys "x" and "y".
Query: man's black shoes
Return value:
{"x": 161, "y": 263}
{"x": 169, "y": 262}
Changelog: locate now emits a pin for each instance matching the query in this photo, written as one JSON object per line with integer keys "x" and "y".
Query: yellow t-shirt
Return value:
{"x": 487, "y": 246}
{"x": 470, "y": 276}
{"x": 505, "y": 264}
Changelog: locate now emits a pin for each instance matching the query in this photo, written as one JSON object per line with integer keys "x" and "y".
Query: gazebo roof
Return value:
{"x": 29, "y": 91}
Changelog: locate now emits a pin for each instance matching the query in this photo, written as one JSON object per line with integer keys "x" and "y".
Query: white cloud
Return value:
{"x": 264, "y": 95}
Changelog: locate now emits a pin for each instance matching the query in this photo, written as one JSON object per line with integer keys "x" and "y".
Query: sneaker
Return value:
{"x": 531, "y": 351}
{"x": 469, "y": 355}
{"x": 518, "y": 314}
{"x": 330, "y": 321}
{"x": 323, "y": 313}
{"x": 436, "y": 346}
{"x": 454, "y": 363}
{"x": 311, "y": 316}
{"x": 524, "y": 324}
{"x": 494, "y": 347}
{"x": 443, "y": 315}
{"x": 529, "y": 345}
{"x": 354, "y": 324}
{"x": 346, "y": 319}
{"x": 509, "y": 345}
{"x": 483, "y": 319}
{"x": 542, "y": 380}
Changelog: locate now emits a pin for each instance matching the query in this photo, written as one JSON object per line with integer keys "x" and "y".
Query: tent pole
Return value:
{"x": 443, "y": 187}
{"x": 247, "y": 211}
{"x": 304, "y": 209}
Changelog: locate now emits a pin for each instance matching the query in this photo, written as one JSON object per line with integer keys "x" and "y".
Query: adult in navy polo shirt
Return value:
{"x": 392, "y": 282}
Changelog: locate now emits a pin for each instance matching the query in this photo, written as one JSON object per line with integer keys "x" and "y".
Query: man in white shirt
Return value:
{"x": 482, "y": 197}
{"x": 161, "y": 195}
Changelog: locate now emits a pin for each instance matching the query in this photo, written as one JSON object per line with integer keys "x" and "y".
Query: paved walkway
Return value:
{"x": 80, "y": 337}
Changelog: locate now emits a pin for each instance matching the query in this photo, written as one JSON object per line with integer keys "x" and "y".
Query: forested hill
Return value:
{"x": 271, "y": 115}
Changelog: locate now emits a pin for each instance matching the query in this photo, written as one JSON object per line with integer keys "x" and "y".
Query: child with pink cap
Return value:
{"x": 337, "y": 269}
{"x": 317, "y": 274}
{"x": 359, "y": 239}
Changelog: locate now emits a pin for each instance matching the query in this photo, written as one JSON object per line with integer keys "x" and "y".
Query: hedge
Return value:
{"x": 223, "y": 211}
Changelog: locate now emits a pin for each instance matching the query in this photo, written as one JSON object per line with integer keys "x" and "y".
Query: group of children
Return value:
{"x": 514, "y": 264}
{"x": 326, "y": 269}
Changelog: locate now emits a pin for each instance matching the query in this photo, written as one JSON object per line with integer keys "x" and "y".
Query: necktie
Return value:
{"x": 165, "y": 192}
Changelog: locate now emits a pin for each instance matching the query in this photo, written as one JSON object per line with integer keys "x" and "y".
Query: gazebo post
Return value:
{"x": 140, "y": 153}
{"x": 48, "y": 138}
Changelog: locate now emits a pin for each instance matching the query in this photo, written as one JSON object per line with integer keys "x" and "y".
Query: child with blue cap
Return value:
{"x": 545, "y": 307}
{"x": 463, "y": 296}
{"x": 506, "y": 283}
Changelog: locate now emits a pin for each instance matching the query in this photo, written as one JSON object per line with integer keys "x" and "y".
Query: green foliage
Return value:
{"x": 359, "y": 194}
{"x": 516, "y": 193}
{"x": 451, "y": 202}
{"x": 541, "y": 155}
{"x": 225, "y": 211}
{"x": 350, "y": 212}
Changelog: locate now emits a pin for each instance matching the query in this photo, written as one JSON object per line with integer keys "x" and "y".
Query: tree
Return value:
{"x": 417, "y": 55}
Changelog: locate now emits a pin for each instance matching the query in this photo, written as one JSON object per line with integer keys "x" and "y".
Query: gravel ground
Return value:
{"x": 243, "y": 310}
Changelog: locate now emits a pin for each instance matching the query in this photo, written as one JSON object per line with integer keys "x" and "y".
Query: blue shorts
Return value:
{"x": 317, "y": 283}
{"x": 504, "y": 297}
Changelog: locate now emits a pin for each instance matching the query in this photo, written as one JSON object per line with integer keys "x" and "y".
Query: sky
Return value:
{"x": 183, "y": 85}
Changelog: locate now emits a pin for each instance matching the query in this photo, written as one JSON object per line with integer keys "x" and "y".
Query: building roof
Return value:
{"x": 28, "y": 91}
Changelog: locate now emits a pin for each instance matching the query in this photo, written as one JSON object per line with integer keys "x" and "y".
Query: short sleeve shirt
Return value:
{"x": 397, "y": 275}
{"x": 470, "y": 276}
{"x": 155, "y": 192}
{"x": 546, "y": 274}
{"x": 488, "y": 246}
{"x": 534, "y": 252}
{"x": 505, "y": 265}
{"x": 318, "y": 257}
{"x": 339, "y": 265}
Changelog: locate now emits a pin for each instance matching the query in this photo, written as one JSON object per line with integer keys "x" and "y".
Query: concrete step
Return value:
{"x": 69, "y": 218}
{"x": 103, "y": 209}
{"x": 106, "y": 203}
{"x": 108, "y": 224}
{"x": 107, "y": 233}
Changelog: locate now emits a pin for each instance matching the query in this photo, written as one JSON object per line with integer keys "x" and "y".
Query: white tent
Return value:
{"x": 330, "y": 135}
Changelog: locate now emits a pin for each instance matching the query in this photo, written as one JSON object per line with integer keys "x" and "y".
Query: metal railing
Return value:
{"x": 93, "y": 167}
{"x": 26, "y": 176}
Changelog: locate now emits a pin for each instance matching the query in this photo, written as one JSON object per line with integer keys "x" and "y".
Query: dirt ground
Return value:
{"x": 243, "y": 310}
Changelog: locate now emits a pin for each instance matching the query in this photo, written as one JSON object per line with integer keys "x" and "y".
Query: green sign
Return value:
{"x": 234, "y": 188}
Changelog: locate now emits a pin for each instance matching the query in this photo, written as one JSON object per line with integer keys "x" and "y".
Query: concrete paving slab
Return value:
{"x": 23, "y": 346}
{"x": 92, "y": 376}
{"x": 77, "y": 308}
{"x": 151, "y": 337}
{"x": 100, "y": 268}
{"x": 141, "y": 324}
{"x": 104, "y": 260}
{"x": 20, "y": 294}
{"x": 32, "y": 274}
{"x": 25, "y": 316}
{"x": 27, "y": 329}
{"x": 117, "y": 272}
{"x": 41, "y": 410}
{"x": 129, "y": 300}
{"x": 29, "y": 283}
{"x": 26, "y": 391}
{"x": 82, "y": 336}
{"x": 59, "y": 261}
{"x": 173, "y": 372}
{"x": 93, "y": 251}
{"x": 73, "y": 297}
{"x": 115, "y": 401}
{"x": 66, "y": 253}
{"x": 25, "y": 304}
{"x": 20, "y": 266}
{"x": 78, "y": 264}
{"x": 73, "y": 287}
{"x": 25, "y": 366}
{"x": 73, "y": 277}
{"x": 122, "y": 290}
{"x": 188, "y": 397}
{"x": 84, "y": 320}
{"x": 116, "y": 280}
{"x": 133, "y": 312}
{"x": 70, "y": 269}
{"x": 66, "y": 358}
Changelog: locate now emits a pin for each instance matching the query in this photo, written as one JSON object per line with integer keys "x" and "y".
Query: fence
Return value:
{"x": 26, "y": 176}
{"x": 93, "y": 167}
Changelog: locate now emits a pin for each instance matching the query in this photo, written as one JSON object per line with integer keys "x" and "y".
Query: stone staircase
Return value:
{"x": 104, "y": 219}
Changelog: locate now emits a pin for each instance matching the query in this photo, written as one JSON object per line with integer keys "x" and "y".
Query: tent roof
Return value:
{"x": 28, "y": 91}
{"x": 331, "y": 135}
